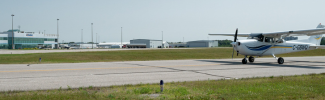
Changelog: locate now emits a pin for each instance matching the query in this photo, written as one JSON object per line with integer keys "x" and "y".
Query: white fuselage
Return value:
{"x": 252, "y": 47}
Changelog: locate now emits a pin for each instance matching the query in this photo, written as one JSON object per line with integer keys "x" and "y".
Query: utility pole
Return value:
{"x": 12, "y": 30}
{"x": 92, "y": 44}
{"x": 58, "y": 33}
{"x": 96, "y": 38}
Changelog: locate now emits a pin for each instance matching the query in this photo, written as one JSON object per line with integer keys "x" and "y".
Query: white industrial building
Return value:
{"x": 112, "y": 44}
{"x": 147, "y": 43}
{"x": 80, "y": 45}
{"x": 177, "y": 45}
{"x": 202, "y": 43}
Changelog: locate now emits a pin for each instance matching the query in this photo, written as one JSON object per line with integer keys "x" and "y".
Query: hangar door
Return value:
{"x": 198, "y": 44}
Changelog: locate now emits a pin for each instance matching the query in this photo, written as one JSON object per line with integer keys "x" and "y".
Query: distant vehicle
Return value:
{"x": 262, "y": 44}
{"x": 66, "y": 47}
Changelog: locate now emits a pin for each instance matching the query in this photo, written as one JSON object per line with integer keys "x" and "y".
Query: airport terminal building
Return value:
{"x": 23, "y": 40}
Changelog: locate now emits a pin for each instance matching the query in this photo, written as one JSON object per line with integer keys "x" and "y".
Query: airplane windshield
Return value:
{"x": 258, "y": 38}
{"x": 269, "y": 39}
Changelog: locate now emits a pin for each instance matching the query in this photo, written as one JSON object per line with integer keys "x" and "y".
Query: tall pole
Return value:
{"x": 81, "y": 35}
{"x": 96, "y": 38}
{"x": 81, "y": 39}
{"x": 92, "y": 44}
{"x": 58, "y": 33}
{"x": 121, "y": 38}
{"x": 162, "y": 39}
{"x": 12, "y": 29}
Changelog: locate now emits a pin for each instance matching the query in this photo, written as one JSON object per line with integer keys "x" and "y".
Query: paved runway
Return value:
{"x": 75, "y": 50}
{"x": 54, "y": 76}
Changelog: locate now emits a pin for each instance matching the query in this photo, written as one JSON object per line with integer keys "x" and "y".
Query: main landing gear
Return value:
{"x": 280, "y": 60}
{"x": 250, "y": 59}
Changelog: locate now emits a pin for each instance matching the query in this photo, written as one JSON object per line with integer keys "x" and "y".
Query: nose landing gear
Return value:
{"x": 250, "y": 59}
{"x": 244, "y": 61}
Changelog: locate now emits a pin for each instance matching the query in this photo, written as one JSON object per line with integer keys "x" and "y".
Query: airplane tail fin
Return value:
{"x": 316, "y": 39}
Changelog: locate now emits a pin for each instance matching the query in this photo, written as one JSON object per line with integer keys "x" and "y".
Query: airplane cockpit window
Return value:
{"x": 278, "y": 40}
{"x": 258, "y": 38}
{"x": 269, "y": 39}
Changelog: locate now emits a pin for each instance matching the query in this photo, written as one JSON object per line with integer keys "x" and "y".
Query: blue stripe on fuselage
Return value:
{"x": 259, "y": 48}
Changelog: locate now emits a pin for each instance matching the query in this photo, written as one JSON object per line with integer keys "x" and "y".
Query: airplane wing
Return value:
{"x": 233, "y": 34}
{"x": 308, "y": 32}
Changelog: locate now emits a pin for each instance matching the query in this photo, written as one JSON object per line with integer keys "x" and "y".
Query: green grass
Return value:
{"x": 283, "y": 87}
{"x": 134, "y": 55}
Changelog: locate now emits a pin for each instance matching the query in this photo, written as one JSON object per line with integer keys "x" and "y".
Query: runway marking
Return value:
{"x": 103, "y": 68}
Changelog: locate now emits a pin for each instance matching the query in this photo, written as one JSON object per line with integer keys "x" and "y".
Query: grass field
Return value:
{"x": 134, "y": 55}
{"x": 310, "y": 86}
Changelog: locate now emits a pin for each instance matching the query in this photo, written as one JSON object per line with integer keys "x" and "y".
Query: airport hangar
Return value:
{"x": 202, "y": 43}
{"x": 23, "y": 40}
{"x": 195, "y": 44}
{"x": 147, "y": 43}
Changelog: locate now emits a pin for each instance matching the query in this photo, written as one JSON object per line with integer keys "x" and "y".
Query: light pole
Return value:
{"x": 121, "y": 38}
{"x": 81, "y": 39}
{"x": 58, "y": 33}
{"x": 12, "y": 35}
{"x": 162, "y": 39}
{"x": 96, "y": 37}
{"x": 81, "y": 35}
{"x": 92, "y": 42}
{"x": 183, "y": 39}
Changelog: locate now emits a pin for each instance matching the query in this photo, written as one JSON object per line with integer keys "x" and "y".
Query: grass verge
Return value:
{"x": 284, "y": 87}
{"x": 134, "y": 55}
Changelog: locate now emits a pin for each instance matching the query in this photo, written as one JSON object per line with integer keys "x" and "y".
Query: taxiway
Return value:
{"x": 74, "y": 75}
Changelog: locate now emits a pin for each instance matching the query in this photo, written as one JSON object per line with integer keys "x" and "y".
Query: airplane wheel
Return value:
{"x": 251, "y": 59}
{"x": 280, "y": 60}
{"x": 244, "y": 61}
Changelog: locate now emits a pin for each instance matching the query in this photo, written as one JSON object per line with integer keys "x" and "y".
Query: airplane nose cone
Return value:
{"x": 233, "y": 43}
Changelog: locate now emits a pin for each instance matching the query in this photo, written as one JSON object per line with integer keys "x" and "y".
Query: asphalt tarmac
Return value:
{"x": 74, "y": 75}
{"x": 75, "y": 50}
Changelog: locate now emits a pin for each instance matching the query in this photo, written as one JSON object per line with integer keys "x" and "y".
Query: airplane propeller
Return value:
{"x": 234, "y": 43}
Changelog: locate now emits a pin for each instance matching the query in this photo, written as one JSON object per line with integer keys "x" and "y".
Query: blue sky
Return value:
{"x": 145, "y": 19}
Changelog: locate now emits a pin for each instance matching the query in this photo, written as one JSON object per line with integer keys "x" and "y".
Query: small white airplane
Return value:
{"x": 261, "y": 44}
